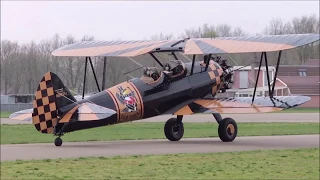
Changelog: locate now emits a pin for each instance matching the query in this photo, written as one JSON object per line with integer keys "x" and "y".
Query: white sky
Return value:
{"x": 106, "y": 20}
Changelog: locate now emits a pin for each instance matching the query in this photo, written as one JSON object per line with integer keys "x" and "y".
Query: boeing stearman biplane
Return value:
{"x": 178, "y": 89}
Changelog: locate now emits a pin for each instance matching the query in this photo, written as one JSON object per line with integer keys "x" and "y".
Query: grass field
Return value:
{"x": 5, "y": 114}
{"x": 271, "y": 164}
{"x": 26, "y": 133}
{"x": 300, "y": 110}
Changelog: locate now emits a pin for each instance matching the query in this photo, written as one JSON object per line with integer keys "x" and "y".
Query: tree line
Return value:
{"x": 23, "y": 65}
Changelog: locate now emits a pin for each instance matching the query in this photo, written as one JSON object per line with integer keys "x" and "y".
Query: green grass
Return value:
{"x": 5, "y": 114}
{"x": 26, "y": 133}
{"x": 300, "y": 110}
{"x": 271, "y": 164}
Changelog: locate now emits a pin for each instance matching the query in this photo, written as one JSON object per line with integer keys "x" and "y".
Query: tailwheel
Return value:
{"x": 58, "y": 141}
{"x": 174, "y": 129}
{"x": 227, "y": 130}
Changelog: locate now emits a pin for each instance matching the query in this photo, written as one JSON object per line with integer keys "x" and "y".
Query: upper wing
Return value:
{"x": 247, "y": 44}
{"x": 111, "y": 48}
{"x": 240, "y": 105}
{"x": 243, "y": 44}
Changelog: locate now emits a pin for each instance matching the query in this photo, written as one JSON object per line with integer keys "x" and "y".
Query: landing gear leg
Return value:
{"x": 58, "y": 141}
{"x": 173, "y": 129}
{"x": 227, "y": 129}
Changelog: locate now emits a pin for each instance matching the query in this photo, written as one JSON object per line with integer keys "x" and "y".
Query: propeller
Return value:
{"x": 228, "y": 72}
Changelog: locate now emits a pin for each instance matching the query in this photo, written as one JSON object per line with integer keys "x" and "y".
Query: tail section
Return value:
{"x": 49, "y": 97}
{"x": 54, "y": 104}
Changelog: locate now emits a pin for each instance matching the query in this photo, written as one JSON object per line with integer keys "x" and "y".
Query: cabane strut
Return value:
{"x": 94, "y": 74}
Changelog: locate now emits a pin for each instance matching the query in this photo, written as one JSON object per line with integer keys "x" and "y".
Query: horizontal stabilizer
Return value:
{"x": 81, "y": 112}
{"x": 87, "y": 112}
{"x": 242, "y": 105}
{"x": 24, "y": 115}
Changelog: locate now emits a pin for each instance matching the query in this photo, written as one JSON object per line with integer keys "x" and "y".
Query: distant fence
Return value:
{"x": 15, "y": 107}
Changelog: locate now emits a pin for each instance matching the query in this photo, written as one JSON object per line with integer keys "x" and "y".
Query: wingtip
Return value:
{"x": 294, "y": 101}
{"x": 23, "y": 115}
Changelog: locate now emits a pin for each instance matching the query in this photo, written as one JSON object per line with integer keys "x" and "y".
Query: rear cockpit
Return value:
{"x": 151, "y": 75}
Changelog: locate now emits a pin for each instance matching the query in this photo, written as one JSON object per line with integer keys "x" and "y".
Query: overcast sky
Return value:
{"x": 25, "y": 21}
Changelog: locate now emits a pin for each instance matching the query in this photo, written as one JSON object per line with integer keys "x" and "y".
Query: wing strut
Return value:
{"x": 104, "y": 72}
{"x": 85, "y": 75}
{"x": 257, "y": 79}
{"x": 155, "y": 58}
{"x": 175, "y": 56}
{"x": 94, "y": 74}
{"x": 192, "y": 66}
{"x": 271, "y": 91}
{"x": 207, "y": 62}
{"x": 267, "y": 71}
{"x": 84, "y": 78}
{"x": 276, "y": 73}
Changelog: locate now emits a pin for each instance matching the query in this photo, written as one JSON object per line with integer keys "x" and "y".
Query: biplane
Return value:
{"x": 177, "y": 88}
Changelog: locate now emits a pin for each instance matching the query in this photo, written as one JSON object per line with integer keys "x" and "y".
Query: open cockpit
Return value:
{"x": 174, "y": 70}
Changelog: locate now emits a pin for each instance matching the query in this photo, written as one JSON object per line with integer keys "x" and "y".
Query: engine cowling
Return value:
{"x": 227, "y": 76}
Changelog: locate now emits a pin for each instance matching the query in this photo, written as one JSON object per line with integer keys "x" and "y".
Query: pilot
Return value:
{"x": 178, "y": 69}
{"x": 152, "y": 72}
{"x": 167, "y": 67}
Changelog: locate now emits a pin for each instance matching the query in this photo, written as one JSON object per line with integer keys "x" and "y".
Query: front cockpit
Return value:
{"x": 175, "y": 70}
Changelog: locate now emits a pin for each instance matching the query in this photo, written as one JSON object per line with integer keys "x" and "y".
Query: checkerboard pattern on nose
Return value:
{"x": 44, "y": 116}
{"x": 215, "y": 76}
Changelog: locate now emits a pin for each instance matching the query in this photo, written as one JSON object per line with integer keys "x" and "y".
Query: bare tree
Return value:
{"x": 305, "y": 24}
{"x": 162, "y": 36}
{"x": 278, "y": 27}
{"x": 223, "y": 30}
{"x": 239, "y": 32}
{"x": 212, "y": 31}
{"x": 8, "y": 51}
{"x": 299, "y": 25}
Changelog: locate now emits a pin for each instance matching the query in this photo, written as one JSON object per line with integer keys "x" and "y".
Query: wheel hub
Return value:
{"x": 230, "y": 129}
{"x": 176, "y": 129}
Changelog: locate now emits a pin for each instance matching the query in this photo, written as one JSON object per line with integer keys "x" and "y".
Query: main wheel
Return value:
{"x": 173, "y": 129}
{"x": 58, "y": 141}
{"x": 228, "y": 130}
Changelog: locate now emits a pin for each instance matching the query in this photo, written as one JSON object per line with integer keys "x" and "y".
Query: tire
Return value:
{"x": 228, "y": 130}
{"x": 173, "y": 129}
{"x": 58, "y": 141}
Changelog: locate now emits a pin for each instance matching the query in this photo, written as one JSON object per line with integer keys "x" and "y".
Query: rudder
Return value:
{"x": 51, "y": 95}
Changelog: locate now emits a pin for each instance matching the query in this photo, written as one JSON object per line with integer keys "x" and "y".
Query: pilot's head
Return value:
{"x": 146, "y": 71}
{"x": 167, "y": 67}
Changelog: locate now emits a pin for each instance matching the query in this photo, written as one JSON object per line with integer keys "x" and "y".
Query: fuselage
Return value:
{"x": 136, "y": 99}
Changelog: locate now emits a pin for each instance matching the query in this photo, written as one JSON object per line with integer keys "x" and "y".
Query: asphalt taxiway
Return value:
{"x": 148, "y": 147}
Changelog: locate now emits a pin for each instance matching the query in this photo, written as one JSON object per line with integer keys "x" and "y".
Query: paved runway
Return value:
{"x": 144, "y": 147}
{"x": 264, "y": 117}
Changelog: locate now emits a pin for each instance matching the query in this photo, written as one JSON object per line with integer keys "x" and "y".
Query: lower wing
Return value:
{"x": 239, "y": 105}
